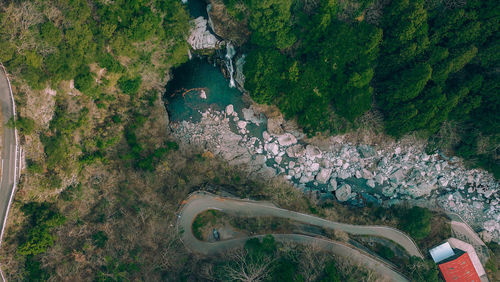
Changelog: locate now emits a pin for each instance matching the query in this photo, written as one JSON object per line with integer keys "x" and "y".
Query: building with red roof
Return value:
{"x": 459, "y": 269}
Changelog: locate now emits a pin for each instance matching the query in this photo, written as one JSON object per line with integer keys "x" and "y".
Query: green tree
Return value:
{"x": 43, "y": 217}
{"x": 24, "y": 124}
{"x": 129, "y": 85}
{"x": 264, "y": 74}
{"x": 416, "y": 221}
{"x": 7, "y": 51}
{"x": 84, "y": 81}
{"x": 330, "y": 273}
{"x": 51, "y": 33}
{"x": 270, "y": 22}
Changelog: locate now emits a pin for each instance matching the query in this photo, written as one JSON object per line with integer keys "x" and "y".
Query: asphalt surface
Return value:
{"x": 9, "y": 149}
{"x": 9, "y": 152}
{"x": 200, "y": 202}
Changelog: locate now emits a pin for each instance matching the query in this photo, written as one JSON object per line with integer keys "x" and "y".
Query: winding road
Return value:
{"x": 199, "y": 202}
{"x": 9, "y": 157}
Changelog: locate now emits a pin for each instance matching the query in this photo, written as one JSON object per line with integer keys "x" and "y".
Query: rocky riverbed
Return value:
{"x": 354, "y": 174}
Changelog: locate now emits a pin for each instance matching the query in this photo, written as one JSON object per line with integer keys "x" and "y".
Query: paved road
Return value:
{"x": 9, "y": 151}
{"x": 198, "y": 203}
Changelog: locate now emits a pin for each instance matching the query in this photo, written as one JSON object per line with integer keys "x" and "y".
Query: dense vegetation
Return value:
{"x": 420, "y": 63}
{"x": 86, "y": 77}
{"x": 45, "y": 46}
{"x": 102, "y": 182}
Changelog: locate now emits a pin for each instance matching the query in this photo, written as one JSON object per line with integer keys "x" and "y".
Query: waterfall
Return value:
{"x": 210, "y": 23}
{"x": 230, "y": 52}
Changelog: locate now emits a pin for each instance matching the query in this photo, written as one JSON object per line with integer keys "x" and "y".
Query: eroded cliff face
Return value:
{"x": 224, "y": 25}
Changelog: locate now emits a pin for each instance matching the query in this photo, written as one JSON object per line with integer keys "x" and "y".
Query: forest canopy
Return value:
{"x": 420, "y": 63}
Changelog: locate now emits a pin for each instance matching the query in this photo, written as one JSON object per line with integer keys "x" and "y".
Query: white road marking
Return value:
{"x": 1, "y": 176}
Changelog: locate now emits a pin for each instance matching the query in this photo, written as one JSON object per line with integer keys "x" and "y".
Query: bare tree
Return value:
{"x": 246, "y": 268}
{"x": 312, "y": 262}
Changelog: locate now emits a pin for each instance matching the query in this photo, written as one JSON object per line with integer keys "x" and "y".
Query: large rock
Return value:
{"x": 287, "y": 139}
{"x": 323, "y": 175}
{"x": 422, "y": 189}
{"x": 200, "y": 37}
{"x": 491, "y": 226}
{"x": 397, "y": 176}
{"x": 443, "y": 181}
{"x": 388, "y": 191}
{"x": 333, "y": 184}
{"x": 313, "y": 152}
{"x": 343, "y": 193}
{"x": 249, "y": 115}
{"x": 366, "y": 151}
{"x": 274, "y": 125}
{"x": 305, "y": 179}
{"x": 486, "y": 236}
{"x": 229, "y": 109}
{"x": 379, "y": 178}
{"x": 242, "y": 124}
{"x": 343, "y": 174}
{"x": 314, "y": 167}
{"x": 272, "y": 148}
{"x": 367, "y": 174}
{"x": 295, "y": 151}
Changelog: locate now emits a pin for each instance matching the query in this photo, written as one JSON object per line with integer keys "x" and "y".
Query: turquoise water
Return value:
{"x": 198, "y": 73}
{"x": 197, "y": 8}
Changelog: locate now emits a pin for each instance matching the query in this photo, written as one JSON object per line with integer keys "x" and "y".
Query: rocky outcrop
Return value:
{"x": 225, "y": 26}
{"x": 391, "y": 174}
{"x": 239, "y": 76}
{"x": 274, "y": 125}
{"x": 201, "y": 38}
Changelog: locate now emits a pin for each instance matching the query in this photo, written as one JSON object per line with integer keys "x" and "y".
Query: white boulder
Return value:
{"x": 229, "y": 109}
{"x": 287, "y": 139}
{"x": 314, "y": 166}
{"x": 242, "y": 124}
{"x": 333, "y": 183}
{"x": 313, "y": 152}
{"x": 295, "y": 151}
{"x": 272, "y": 148}
{"x": 323, "y": 175}
{"x": 343, "y": 193}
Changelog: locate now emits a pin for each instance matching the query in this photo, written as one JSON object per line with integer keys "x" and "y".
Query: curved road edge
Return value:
{"x": 10, "y": 153}
{"x": 201, "y": 201}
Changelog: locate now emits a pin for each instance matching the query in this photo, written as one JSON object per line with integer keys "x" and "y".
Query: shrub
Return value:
{"x": 107, "y": 61}
{"x": 33, "y": 167}
{"x": 84, "y": 82}
{"x": 416, "y": 221}
{"x": 24, "y": 124}
{"x": 129, "y": 85}
{"x": 100, "y": 238}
